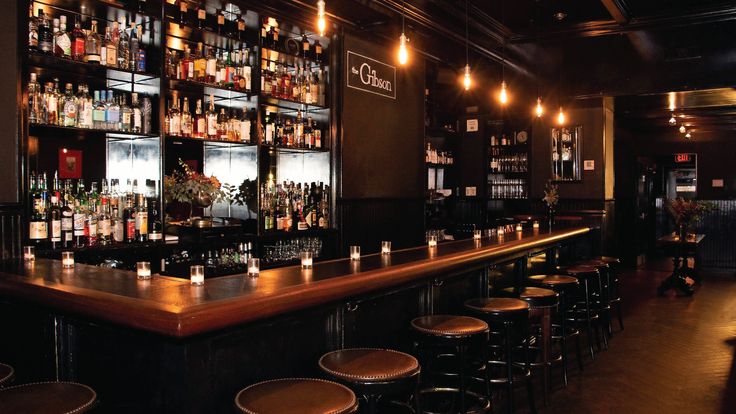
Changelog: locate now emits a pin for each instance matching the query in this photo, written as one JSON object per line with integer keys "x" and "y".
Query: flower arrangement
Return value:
{"x": 551, "y": 194}
{"x": 686, "y": 212}
{"x": 189, "y": 186}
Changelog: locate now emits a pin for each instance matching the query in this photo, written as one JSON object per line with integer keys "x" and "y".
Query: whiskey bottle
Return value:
{"x": 78, "y": 42}
{"x": 124, "y": 49}
{"x": 211, "y": 119}
{"x": 62, "y": 41}
{"x": 186, "y": 119}
{"x": 111, "y": 49}
{"x": 129, "y": 220}
{"x": 245, "y": 126}
{"x": 201, "y": 16}
{"x": 32, "y": 30}
{"x": 134, "y": 47}
{"x": 141, "y": 219}
{"x": 220, "y": 22}
{"x": 93, "y": 45}
{"x": 67, "y": 221}
{"x": 200, "y": 64}
{"x": 45, "y": 34}
{"x": 222, "y": 125}
{"x": 136, "y": 123}
{"x": 175, "y": 118}
{"x": 85, "y": 107}
{"x": 51, "y": 103}
{"x": 183, "y": 9}
{"x": 200, "y": 123}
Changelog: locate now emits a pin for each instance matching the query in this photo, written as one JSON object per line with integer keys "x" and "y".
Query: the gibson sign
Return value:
{"x": 370, "y": 75}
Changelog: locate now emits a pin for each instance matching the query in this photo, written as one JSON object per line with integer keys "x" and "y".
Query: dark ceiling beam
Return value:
{"x": 617, "y": 9}
{"x": 721, "y": 13}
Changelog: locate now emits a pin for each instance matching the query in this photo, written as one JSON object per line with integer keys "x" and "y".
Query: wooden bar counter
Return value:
{"x": 163, "y": 345}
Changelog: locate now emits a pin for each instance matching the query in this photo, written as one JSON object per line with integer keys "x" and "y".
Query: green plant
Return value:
{"x": 551, "y": 194}
{"x": 686, "y": 212}
{"x": 186, "y": 184}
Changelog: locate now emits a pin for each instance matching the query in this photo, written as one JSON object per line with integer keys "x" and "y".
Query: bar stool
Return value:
{"x": 541, "y": 302}
{"x": 456, "y": 332}
{"x": 511, "y": 316}
{"x": 614, "y": 289}
{"x": 583, "y": 311}
{"x": 296, "y": 396}
{"x": 6, "y": 374}
{"x": 47, "y": 398}
{"x": 602, "y": 294}
{"x": 374, "y": 373}
{"x": 564, "y": 286}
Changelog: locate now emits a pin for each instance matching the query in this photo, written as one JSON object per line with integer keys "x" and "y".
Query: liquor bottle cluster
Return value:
{"x": 509, "y": 163}
{"x": 225, "y": 125}
{"x": 67, "y": 214}
{"x": 508, "y": 188}
{"x": 288, "y": 132}
{"x": 194, "y": 13}
{"x": 432, "y": 156}
{"x": 299, "y": 83}
{"x": 505, "y": 140}
{"x": 120, "y": 47}
{"x": 275, "y": 44}
{"x": 293, "y": 207}
{"x": 106, "y": 110}
{"x": 216, "y": 262}
{"x": 230, "y": 69}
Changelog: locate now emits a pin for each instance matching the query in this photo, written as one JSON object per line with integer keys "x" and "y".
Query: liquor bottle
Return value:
{"x": 183, "y": 9}
{"x": 118, "y": 227}
{"x": 67, "y": 221}
{"x": 305, "y": 46}
{"x": 134, "y": 46}
{"x": 51, "y": 100}
{"x": 220, "y": 22}
{"x": 200, "y": 64}
{"x": 78, "y": 42}
{"x": 69, "y": 106}
{"x": 129, "y": 220}
{"x": 186, "y": 119}
{"x": 90, "y": 223}
{"x": 187, "y": 66}
{"x": 141, "y": 58}
{"x": 245, "y": 126}
{"x": 93, "y": 45}
{"x": 141, "y": 219}
{"x": 211, "y": 70}
{"x": 37, "y": 226}
{"x": 79, "y": 216}
{"x": 200, "y": 122}
{"x": 211, "y": 117}
{"x": 85, "y": 107}
{"x": 98, "y": 113}
{"x": 113, "y": 112}
{"x": 220, "y": 70}
{"x": 34, "y": 100}
{"x": 45, "y": 34}
{"x": 156, "y": 228}
{"x": 124, "y": 49}
{"x": 59, "y": 105}
{"x": 62, "y": 41}
{"x": 201, "y": 16}
{"x": 240, "y": 23}
{"x": 222, "y": 125}
{"x": 268, "y": 129}
{"x": 126, "y": 115}
{"x": 175, "y": 118}
{"x": 32, "y": 29}
{"x": 111, "y": 48}
{"x": 317, "y": 51}
{"x": 147, "y": 113}
{"x": 137, "y": 117}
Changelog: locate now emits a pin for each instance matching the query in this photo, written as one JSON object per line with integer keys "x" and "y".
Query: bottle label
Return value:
{"x": 175, "y": 127}
{"x": 155, "y": 235}
{"x": 211, "y": 126}
{"x": 201, "y": 14}
{"x": 141, "y": 65}
{"x": 79, "y": 224}
{"x": 117, "y": 233}
{"x": 91, "y": 229}
{"x": 78, "y": 47}
{"x": 67, "y": 224}
{"x": 111, "y": 55}
{"x": 104, "y": 227}
{"x": 141, "y": 223}
{"x": 302, "y": 225}
{"x": 64, "y": 45}
{"x": 322, "y": 222}
{"x": 137, "y": 119}
{"x": 245, "y": 131}
{"x": 130, "y": 229}
{"x": 126, "y": 118}
{"x": 98, "y": 115}
{"x": 220, "y": 19}
{"x": 38, "y": 230}
{"x": 201, "y": 126}
{"x": 56, "y": 230}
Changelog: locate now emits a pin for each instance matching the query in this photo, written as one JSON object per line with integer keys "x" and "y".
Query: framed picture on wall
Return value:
{"x": 566, "y": 153}
{"x": 70, "y": 163}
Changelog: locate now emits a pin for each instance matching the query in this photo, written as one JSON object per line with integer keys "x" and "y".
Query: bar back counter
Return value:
{"x": 163, "y": 345}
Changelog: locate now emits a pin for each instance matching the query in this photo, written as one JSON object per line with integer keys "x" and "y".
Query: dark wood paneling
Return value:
{"x": 10, "y": 110}
{"x": 10, "y": 231}
{"x": 367, "y": 222}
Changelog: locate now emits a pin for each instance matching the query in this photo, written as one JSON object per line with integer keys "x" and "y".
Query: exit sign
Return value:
{"x": 683, "y": 158}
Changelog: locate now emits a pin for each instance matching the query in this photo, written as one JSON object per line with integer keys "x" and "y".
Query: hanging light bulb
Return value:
{"x": 467, "y": 80}
{"x": 561, "y": 117}
{"x": 672, "y": 120}
{"x": 503, "y": 96}
{"x": 539, "y": 110}
{"x": 321, "y": 20}
{"x": 403, "y": 51}
{"x": 683, "y": 129}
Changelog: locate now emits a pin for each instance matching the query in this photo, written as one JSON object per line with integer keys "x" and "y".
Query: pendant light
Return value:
{"x": 403, "y": 50}
{"x": 561, "y": 117}
{"x": 503, "y": 96}
{"x": 321, "y": 20}
{"x": 467, "y": 80}
{"x": 688, "y": 135}
{"x": 539, "y": 110}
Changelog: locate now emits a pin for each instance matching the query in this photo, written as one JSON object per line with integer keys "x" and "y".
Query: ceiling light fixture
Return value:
{"x": 688, "y": 135}
{"x": 403, "y": 50}
{"x": 467, "y": 80}
{"x": 321, "y": 20}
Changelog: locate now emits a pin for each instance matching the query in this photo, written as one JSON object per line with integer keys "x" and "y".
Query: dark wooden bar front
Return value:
{"x": 166, "y": 346}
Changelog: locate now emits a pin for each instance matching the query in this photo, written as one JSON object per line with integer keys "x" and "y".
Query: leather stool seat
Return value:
{"x": 593, "y": 263}
{"x": 47, "y": 398}
{"x": 555, "y": 281}
{"x": 449, "y": 325}
{"x": 609, "y": 259}
{"x": 296, "y": 396}
{"x": 6, "y": 374}
{"x": 501, "y": 308}
{"x": 369, "y": 365}
{"x": 582, "y": 271}
{"x": 535, "y": 297}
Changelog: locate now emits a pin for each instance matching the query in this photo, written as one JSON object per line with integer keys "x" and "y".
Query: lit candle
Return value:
{"x": 385, "y": 247}
{"x": 518, "y": 227}
{"x": 535, "y": 225}
{"x": 500, "y": 231}
{"x": 476, "y": 234}
{"x": 67, "y": 260}
{"x": 307, "y": 259}
{"x": 432, "y": 240}
{"x": 254, "y": 266}
{"x": 196, "y": 275}
{"x": 29, "y": 253}
{"x": 143, "y": 270}
{"x": 354, "y": 252}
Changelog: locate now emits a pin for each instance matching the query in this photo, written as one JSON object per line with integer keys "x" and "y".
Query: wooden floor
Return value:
{"x": 675, "y": 355}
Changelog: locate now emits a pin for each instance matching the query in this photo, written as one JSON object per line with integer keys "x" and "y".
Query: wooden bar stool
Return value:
{"x": 601, "y": 295}
{"x": 583, "y": 311}
{"x": 508, "y": 319}
{"x": 375, "y": 374}
{"x": 541, "y": 302}
{"x": 6, "y": 374}
{"x": 437, "y": 333}
{"x": 614, "y": 289}
{"x": 296, "y": 396}
{"x": 47, "y": 398}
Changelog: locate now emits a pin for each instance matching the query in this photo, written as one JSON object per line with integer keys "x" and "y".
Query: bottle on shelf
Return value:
{"x": 183, "y": 10}
{"x": 211, "y": 117}
{"x": 62, "y": 41}
{"x": 69, "y": 108}
{"x": 245, "y": 126}
{"x": 45, "y": 34}
{"x": 35, "y": 109}
{"x": 186, "y": 119}
{"x": 124, "y": 51}
{"x": 93, "y": 45}
{"x": 200, "y": 122}
{"x": 137, "y": 114}
{"x": 37, "y": 224}
{"x": 141, "y": 219}
{"x": 32, "y": 29}
{"x": 78, "y": 42}
{"x": 201, "y": 16}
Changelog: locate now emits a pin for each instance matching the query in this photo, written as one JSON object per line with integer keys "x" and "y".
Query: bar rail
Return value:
{"x": 172, "y": 307}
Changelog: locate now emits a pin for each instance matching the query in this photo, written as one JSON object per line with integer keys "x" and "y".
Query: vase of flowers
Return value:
{"x": 685, "y": 213}
{"x": 551, "y": 197}
{"x": 188, "y": 186}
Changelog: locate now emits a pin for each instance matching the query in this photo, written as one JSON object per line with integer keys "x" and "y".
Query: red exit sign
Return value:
{"x": 683, "y": 158}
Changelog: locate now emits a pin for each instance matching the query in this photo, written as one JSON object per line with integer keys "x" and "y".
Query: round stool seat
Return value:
{"x": 6, "y": 374}
{"x": 582, "y": 271}
{"x": 555, "y": 281}
{"x": 536, "y": 297}
{"x": 369, "y": 365}
{"x": 47, "y": 398}
{"x": 593, "y": 263}
{"x": 296, "y": 396}
{"x": 449, "y": 325}
{"x": 609, "y": 259}
{"x": 499, "y": 307}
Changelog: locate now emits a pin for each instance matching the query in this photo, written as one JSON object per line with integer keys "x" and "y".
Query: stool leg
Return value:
{"x": 563, "y": 335}
{"x": 546, "y": 342}
{"x": 487, "y": 371}
{"x": 602, "y": 314}
{"x": 608, "y": 297}
{"x": 529, "y": 380}
{"x": 372, "y": 404}
{"x": 461, "y": 357}
{"x": 418, "y": 396}
{"x": 509, "y": 366}
{"x": 587, "y": 318}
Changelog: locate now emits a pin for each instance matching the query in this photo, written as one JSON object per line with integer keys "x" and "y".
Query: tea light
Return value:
{"x": 29, "y": 253}
{"x": 307, "y": 259}
{"x": 143, "y": 270}
{"x": 254, "y": 266}
{"x": 500, "y": 231}
{"x": 354, "y": 252}
{"x": 535, "y": 225}
{"x": 476, "y": 234}
{"x": 518, "y": 227}
{"x": 432, "y": 240}
{"x": 196, "y": 275}
{"x": 385, "y": 247}
{"x": 67, "y": 260}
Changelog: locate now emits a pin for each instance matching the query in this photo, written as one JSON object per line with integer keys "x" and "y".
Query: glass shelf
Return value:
{"x": 36, "y": 129}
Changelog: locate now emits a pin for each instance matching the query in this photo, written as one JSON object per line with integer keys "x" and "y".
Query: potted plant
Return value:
{"x": 189, "y": 186}
{"x": 551, "y": 197}
{"x": 685, "y": 213}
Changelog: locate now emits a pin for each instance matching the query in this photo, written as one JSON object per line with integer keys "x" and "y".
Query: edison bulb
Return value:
{"x": 403, "y": 51}
{"x": 561, "y": 117}
{"x": 539, "y": 110}
{"x": 321, "y": 20}
{"x": 683, "y": 129}
{"x": 504, "y": 95}
{"x": 467, "y": 81}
